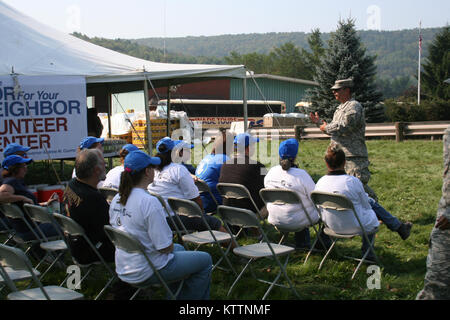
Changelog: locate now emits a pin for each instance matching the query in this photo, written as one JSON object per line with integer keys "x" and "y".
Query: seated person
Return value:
{"x": 184, "y": 154}
{"x": 135, "y": 211}
{"x": 89, "y": 208}
{"x": 368, "y": 211}
{"x": 208, "y": 170}
{"x": 241, "y": 169}
{"x": 173, "y": 180}
{"x": 89, "y": 143}
{"x": 14, "y": 149}
{"x": 13, "y": 190}
{"x": 288, "y": 176}
{"x": 113, "y": 177}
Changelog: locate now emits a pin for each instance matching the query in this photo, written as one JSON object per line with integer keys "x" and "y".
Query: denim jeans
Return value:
{"x": 302, "y": 239}
{"x": 197, "y": 264}
{"x": 382, "y": 214}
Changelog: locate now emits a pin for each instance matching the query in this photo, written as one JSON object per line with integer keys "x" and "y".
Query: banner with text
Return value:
{"x": 43, "y": 112}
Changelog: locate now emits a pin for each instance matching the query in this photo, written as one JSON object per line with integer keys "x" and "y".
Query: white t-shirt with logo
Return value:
{"x": 291, "y": 216}
{"x": 144, "y": 218}
{"x": 113, "y": 178}
{"x": 174, "y": 181}
{"x": 344, "y": 222}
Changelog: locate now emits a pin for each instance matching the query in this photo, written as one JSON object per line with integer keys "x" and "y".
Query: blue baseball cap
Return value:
{"x": 12, "y": 148}
{"x": 136, "y": 161}
{"x": 130, "y": 147}
{"x": 181, "y": 144}
{"x": 288, "y": 149}
{"x": 245, "y": 139}
{"x": 13, "y": 160}
{"x": 167, "y": 142}
{"x": 87, "y": 142}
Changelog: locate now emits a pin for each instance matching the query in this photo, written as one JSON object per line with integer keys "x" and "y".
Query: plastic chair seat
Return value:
{"x": 262, "y": 250}
{"x": 54, "y": 292}
{"x": 18, "y": 275}
{"x": 54, "y": 245}
{"x": 205, "y": 237}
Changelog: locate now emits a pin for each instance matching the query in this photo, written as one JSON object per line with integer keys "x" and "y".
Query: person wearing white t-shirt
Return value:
{"x": 174, "y": 180}
{"x": 140, "y": 214}
{"x": 113, "y": 176}
{"x": 367, "y": 209}
{"x": 286, "y": 175}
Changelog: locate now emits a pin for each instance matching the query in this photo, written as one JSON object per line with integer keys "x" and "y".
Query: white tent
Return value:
{"x": 31, "y": 48}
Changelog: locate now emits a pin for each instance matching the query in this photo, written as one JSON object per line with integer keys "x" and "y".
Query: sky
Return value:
{"x": 132, "y": 19}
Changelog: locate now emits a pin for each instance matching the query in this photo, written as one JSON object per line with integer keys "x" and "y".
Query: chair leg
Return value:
{"x": 239, "y": 276}
{"x": 224, "y": 256}
{"x": 327, "y": 253}
{"x": 105, "y": 287}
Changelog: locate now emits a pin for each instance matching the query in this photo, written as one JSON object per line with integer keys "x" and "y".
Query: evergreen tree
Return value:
{"x": 437, "y": 67}
{"x": 345, "y": 58}
{"x": 317, "y": 51}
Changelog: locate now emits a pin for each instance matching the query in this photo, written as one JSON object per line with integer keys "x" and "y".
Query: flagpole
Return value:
{"x": 420, "y": 56}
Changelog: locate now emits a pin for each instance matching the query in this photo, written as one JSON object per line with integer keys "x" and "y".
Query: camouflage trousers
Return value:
{"x": 437, "y": 279}
{"x": 359, "y": 167}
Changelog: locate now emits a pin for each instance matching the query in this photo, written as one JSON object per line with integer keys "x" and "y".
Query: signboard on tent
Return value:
{"x": 46, "y": 113}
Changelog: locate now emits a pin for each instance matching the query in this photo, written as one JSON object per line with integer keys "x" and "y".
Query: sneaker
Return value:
{"x": 405, "y": 230}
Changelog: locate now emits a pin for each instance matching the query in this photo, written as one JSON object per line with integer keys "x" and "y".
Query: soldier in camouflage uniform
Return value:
{"x": 348, "y": 129}
{"x": 437, "y": 278}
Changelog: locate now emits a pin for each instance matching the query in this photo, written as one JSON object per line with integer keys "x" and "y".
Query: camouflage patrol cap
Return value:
{"x": 344, "y": 83}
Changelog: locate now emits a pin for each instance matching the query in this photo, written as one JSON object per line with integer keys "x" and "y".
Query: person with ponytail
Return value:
{"x": 288, "y": 176}
{"x": 368, "y": 210}
{"x": 140, "y": 214}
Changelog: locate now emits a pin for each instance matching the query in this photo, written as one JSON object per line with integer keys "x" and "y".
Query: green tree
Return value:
{"x": 313, "y": 58}
{"x": 345, "y": 58}
{"x": 436, "y": 69}
{"x": 289, "y": 61}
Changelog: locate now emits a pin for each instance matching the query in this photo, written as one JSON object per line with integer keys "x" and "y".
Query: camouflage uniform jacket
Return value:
{"x": 348, "y": 128}
{"x": 444, "y": 204}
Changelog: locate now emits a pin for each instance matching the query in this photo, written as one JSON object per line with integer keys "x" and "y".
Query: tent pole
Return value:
{"x": 148, "y": 119}
{"x": 110, "y": 159}
{"x": 168, "y": 110}
{"x": 244, "y": 98}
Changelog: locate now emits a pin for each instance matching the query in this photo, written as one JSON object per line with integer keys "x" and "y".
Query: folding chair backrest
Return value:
{"x": 185, "y": 207}
{"x": 11, "y": 211}
{"x": 238, "y": 217}
{"x": 69, "y": 225}
{"x": 109, "y": 193}
{"x": 204, "y": 188}
{"x": 161, "y": 200}
{"x": 233, "y": 191}
{"x": 123, "y": 240}
{"x": 14, "y": 258}
{"x": 37, "y": 213}
{"x": 332, "y": 201}
{"x": 336, "y": 202}
{"x": 279, "y": 196}
{"x": 237, "y": 191}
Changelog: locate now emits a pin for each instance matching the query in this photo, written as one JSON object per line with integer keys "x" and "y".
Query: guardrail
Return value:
{"x": 399, "y": 130}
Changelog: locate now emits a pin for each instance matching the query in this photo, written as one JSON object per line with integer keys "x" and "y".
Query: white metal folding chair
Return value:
{"x": 191, "y": 209}
{"x": 15, "y": 259}
{"x": 126, "y": 242}
{"x": 6, "y": 229}
{"x": 237, "y": 191}
{"x": 265, "y": 249}
{"x": 12, "y": 211}
{"x": 203, "y": 188}
{"x": 283, "y": 197}
{"x": 108, "y": 193}
{"x": 338, "y": 203}
{"x": 71, "y": 228}
{"x": 59, "y": 247}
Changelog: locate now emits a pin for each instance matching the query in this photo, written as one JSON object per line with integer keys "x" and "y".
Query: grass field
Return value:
{"x": 407, "y": 177}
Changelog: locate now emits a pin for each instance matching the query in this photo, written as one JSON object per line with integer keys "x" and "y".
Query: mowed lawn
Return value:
{"x": 406, "y": 176}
